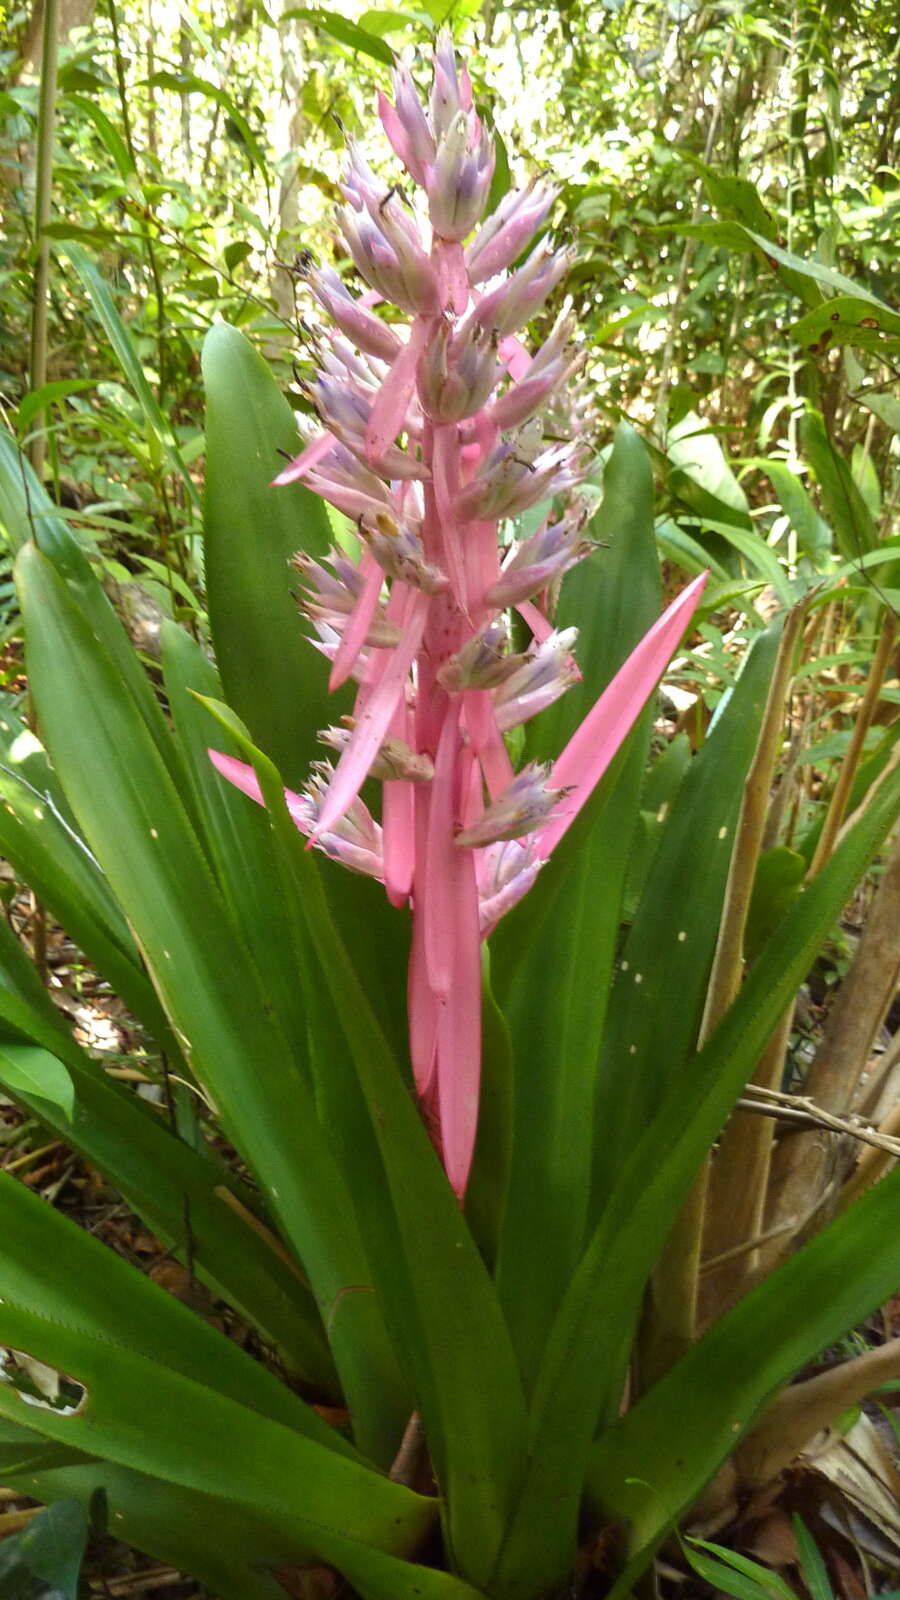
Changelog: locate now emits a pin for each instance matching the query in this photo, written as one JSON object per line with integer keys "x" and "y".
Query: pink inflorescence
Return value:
{"x": 429, "y": 434}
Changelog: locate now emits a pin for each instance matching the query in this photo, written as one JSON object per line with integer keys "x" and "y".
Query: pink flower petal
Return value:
{"x": 459, "y": 1031}
{"x": 440, "y": 932}
{"x": 514, "y": 356}
{"x": 357, "y": 625}
{"x": 488, "y": 741}
{"x": 422, "y": 1006}
{"x": 244, "y": 778}
{"x": 540, "y": 625}
{"x": 594, "y": 743}
{"x": 388, "y": 414}
{"x": 454, "y": 263}
{"x": 393, "y": 127}
{"x": 373, "y": 721}
{"x": 306, "y": 460}
{"x": 397, "y": 803}
{"x": 444, "y": 471}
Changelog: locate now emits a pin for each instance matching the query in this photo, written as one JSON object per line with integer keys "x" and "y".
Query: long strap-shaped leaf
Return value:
{"x": 552, "y": 958}
{"x": 436, "y": 1288}
{"x": 133, "y": 820}
{"x": 237, "y": 834}
{"x": 188, "y": 1200}
{"x": 338, "y": 1509}
{"x": 583, "y": 1371}
{"x": 95, "y": 1289}
{"x": 657, "y": 998}
{"x": 272, "y": 675}
{"x": 234, "y": 1553}
{"x": 649, "y": 1467}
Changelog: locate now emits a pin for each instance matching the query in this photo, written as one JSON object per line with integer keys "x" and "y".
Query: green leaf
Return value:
{"x": 206, "y": 979}
{"x": 129, "y": 360}
{"x": 339, "y": 1510}
{"x": 744, "y": 1359}
{"x": 434, "y": 1285}
{"x": 26, "y": 1069}
{"x": 886, "y": 407}
{"x": 553, "y": 956}
{"x": 818, "y": 273}
{"x": 676, "y": 544}
{"x": 51, "y": 1549}
{"x": 844, "y": 505}
{"x": 108, "y": 132}
{"x": 778, "y": 880}
{"x": 849, "y": 319}
{"x": 813, "y": 535}
{"x": 184, "y": 1195}
{"x": 41, "y": 399}
{"x": 501, "y": 182}
{"x": 273, "y": 677}
{"x": 584, "y": 1367}
{"x": 733, "y": 1574}
{"x": 97, "y": 1289}
{"x": 50, "y": 856}
{"x": 669, "y": 949}
{"x": 236, "y": 830}
{"x": 218, "y": 1542}
{"x": 345, "y": 32}
{"x": 812, "y": 1562}
{"x": 756, "y": 553}
{"x": 236, "y": 252}
{"x": 188, "y": 83}
{"x": 799, "y": 275}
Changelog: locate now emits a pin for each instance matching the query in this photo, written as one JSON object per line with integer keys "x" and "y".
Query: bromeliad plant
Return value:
{"x": 439, "y": 685}
{"x": 456, "y": 1334}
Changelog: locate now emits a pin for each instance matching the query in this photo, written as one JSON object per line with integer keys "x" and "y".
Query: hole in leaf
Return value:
{"x": 37, "y": 1384}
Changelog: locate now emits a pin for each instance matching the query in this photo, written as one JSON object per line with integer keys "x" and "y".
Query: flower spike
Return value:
{"x": 431, "y": 428}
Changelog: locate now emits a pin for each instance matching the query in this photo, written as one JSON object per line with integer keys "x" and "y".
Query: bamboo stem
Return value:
{"x": 670, "y": 1325}
{"x": 37, "y": 365}
{"x": 838, "y": 804}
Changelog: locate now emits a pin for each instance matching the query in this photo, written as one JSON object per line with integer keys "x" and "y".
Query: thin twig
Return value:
{"x": 800, "y": 1109}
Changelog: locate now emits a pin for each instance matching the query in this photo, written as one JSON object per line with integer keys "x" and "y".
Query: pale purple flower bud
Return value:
{"x": 456, "y": 376}
{"x": 328, "y": 642}
{"x": 366, "y": 331}
{"x": 446, "y": 97}
{"x": 482, "y": 662}
{"x": 506, "y": 872}
{"x": 355, "y": 840}
{"x": 342, "y": 361}
{"x": 345, "y": 409}
{"x": 524, "y": 805}
{"x": 460, "y": 179}
{"x": 510, "y": 482}
{"x": 330, "y": 597}
{"x": 390, "y": 260}
{"x": 395, "y": 759}
{"x": 399, "y": 551}
{"x": 345, "y": 482}
{"x": 551, "y": 366}
{"x": 359, "y": 184}
{"x": 550, "y": 552}
{"x": 505, "y": 233}
{"x": 514, "y": 301}
{"x": 544, "y": 674}
{"x": 419, "y": 140}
